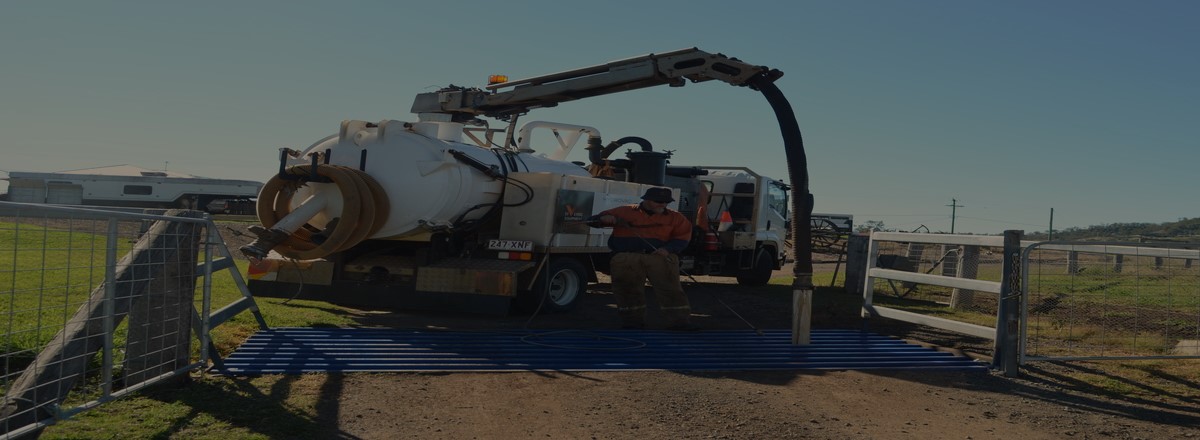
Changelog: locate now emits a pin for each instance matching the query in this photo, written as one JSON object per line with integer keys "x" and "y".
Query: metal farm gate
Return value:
{"x": 97, "y": 304}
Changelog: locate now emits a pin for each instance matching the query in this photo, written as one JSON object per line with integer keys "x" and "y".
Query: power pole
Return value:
{"x": 1051, "y": 224}
{"x": 953, "y": 212}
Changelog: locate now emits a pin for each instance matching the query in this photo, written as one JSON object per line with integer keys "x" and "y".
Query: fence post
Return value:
{"x": 856, "y": 262}
{"x": 868, "y": 285}
{"x": 968, "y": 268}
{"x": 1008, "y": 326}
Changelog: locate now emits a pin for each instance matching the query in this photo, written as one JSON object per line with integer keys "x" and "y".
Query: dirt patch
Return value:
{"x": 1047, "y": 403}
{"x": 670, "y": 405}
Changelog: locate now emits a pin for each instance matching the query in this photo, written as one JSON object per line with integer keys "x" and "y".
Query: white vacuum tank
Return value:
{"x": 426, "y": 185}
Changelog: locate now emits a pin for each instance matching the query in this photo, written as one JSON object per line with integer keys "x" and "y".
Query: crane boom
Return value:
{"x": 519, "y": 96}
{"x": 508, "y": 99}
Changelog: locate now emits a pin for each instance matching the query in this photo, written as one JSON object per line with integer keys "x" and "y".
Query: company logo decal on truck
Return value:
{"x": 572, "y": 209}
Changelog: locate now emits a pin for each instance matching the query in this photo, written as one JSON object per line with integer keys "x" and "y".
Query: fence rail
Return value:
{"x": 98, "y": 303}
{"x": 906, "y": 260}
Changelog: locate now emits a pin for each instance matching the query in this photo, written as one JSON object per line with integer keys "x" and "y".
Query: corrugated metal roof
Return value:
{"x": 132, "y": 173}
{"x": 127, "y": 171}
{"x": 302, "y": 350}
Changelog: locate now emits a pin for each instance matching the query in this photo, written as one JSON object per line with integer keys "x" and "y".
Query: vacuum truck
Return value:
{"x": 446, "y": 212}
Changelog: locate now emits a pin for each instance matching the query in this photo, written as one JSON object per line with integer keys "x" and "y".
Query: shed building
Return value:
{"x": 126, "y": 185}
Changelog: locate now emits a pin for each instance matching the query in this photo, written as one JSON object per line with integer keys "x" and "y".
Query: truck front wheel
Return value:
{"x": 760, "y": 273}
{"x": 558, "y": 287}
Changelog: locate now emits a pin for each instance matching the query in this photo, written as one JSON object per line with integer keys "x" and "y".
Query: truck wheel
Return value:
{"x": 558, "y": 287}
{"x": 760, "y": 273}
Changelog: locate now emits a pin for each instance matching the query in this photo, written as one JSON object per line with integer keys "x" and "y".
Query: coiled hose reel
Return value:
{"x": 365, "y": 209}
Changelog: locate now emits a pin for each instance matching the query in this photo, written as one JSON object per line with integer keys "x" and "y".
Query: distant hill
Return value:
{"x": 1183, "y": 230}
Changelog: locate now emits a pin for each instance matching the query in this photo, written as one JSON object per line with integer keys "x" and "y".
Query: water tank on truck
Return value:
{"x": 391, "y": 180}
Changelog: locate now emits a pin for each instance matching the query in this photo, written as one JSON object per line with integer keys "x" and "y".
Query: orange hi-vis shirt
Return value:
{"x": 642, "y": 231}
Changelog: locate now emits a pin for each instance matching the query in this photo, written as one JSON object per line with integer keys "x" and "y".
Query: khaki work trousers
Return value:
{"x": 629, "y": 274}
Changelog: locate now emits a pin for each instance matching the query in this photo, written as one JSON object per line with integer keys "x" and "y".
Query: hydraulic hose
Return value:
{"x": 364, "y": 211}
{"x": 797, "y": 163}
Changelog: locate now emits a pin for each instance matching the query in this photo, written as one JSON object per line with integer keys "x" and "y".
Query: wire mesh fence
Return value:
{"x": 1112, "y": 300}
{"x": 94, "y": 304}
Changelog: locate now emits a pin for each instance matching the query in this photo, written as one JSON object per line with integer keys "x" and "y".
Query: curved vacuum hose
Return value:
{"x": 365, "y": 209}
{"x": 802, "y": 201}
{"x": 597, "y": 154}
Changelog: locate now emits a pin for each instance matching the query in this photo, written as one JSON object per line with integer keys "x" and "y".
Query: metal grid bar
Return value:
{"x": 301, "y": 350}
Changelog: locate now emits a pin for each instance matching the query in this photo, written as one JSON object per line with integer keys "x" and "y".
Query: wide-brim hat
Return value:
{"x": 660, "y": 195}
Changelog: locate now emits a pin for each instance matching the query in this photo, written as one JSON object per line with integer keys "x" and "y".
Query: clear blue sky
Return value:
{"x": 1012, "y": 108}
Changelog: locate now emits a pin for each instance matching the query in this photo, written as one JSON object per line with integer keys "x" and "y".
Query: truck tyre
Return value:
{"x": 760, "y": 273}
{"x": 558, "y": 287}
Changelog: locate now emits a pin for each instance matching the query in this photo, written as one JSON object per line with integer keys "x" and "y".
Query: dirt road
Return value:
{"x": 1047, "y": 402}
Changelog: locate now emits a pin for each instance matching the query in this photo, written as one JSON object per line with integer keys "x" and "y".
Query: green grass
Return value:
{"x": 266, "y": 407}
{"x": 46, "y": 274}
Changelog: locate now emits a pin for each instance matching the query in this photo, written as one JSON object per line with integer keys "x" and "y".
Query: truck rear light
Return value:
{"x": 263, "y": 269}
{"x": 525, "y": 256}
{"x": 711, "y": 241}
{"x": 259, "y": 267}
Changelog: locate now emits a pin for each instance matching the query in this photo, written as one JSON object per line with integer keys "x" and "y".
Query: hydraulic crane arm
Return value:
{"x": 516, "y": 97}
{"x": 508, "y": 99}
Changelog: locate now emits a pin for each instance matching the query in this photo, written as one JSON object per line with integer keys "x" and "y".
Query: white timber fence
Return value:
{"x": 967, "y": 284}
{"x": 96, "y": 304}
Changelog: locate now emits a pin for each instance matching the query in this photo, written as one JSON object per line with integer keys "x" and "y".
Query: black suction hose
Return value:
{"x": 802, "y": 201}
{"x": 597, "y": 154}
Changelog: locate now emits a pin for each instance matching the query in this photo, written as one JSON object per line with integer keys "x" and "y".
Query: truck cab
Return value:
{"x": 746, "y": 216}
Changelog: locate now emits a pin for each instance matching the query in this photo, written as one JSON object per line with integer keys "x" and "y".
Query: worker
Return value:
{"x": 646, "y": 241}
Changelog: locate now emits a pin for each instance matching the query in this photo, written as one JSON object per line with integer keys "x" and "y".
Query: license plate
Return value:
{"x": 510, "y": 245}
